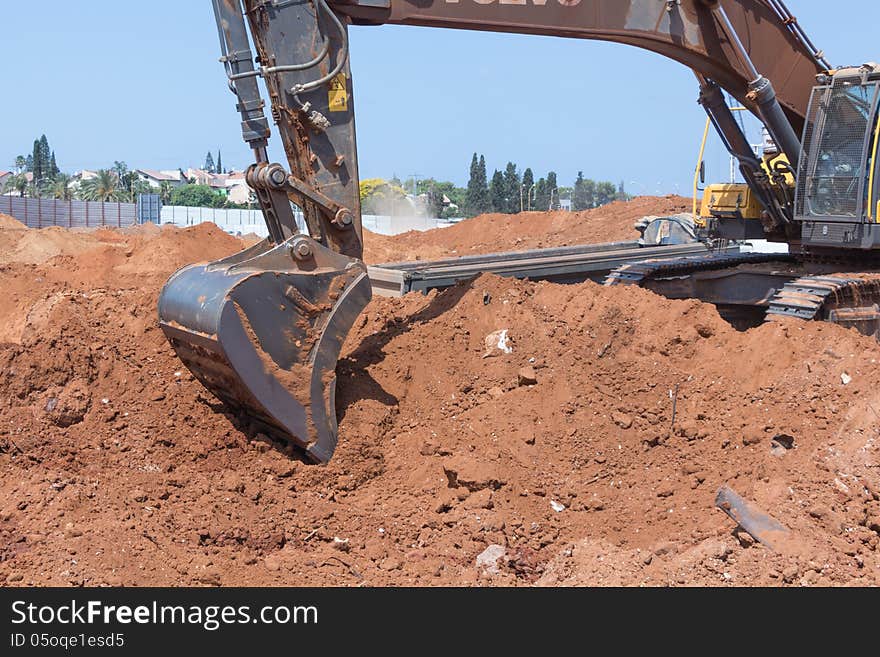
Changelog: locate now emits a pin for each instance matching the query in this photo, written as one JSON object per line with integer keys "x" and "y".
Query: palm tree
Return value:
{"x": 16, "y": 183}
{"x": 60, "y": 188}
{"x": 165, "y": 192}
{"x": 103, "y": 187}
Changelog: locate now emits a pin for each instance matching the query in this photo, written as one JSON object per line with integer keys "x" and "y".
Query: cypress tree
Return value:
{"x": 53, "y": 167}
{"x": 579, "y": 197}
{"x": 552, "y": 191}
{"x": 485, "y": 200}
{"x": 542, "y": 195}
{"x": 477, "y": 199}
{"x": 497, "y": 192}
{"x": 37, "y": 162}
{"x": 45, "y": 156}
{"x": 528, "y": 180}
{"x": 209, "y": 163}
{"x": 471, "y": 200}
{"x": 512, "y": 189}
{"x": 219, "y": 162}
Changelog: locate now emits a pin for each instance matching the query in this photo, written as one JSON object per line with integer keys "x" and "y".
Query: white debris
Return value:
{"x": 488, "y": 558}
{"x": 845, "y": 378}
{"x": 497, "y": 340}
{"x": 557, "y": 506}
{"x": 105, "y": 401}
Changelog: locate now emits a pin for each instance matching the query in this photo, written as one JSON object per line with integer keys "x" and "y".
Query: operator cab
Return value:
{"x": 836, "y": 199}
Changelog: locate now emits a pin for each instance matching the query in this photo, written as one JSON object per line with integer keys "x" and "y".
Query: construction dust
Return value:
{"x": 553, "y": 460}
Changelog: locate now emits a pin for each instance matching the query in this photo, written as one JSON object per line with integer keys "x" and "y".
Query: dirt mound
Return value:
{"x": 10, "y": 223}
{"x": 552, "y": 459}
{"x": 36, "y": 264}
{"x": 490, "y": 233}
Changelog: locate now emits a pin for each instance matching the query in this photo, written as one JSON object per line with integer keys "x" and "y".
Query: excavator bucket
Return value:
{"x": 262, "y": 330}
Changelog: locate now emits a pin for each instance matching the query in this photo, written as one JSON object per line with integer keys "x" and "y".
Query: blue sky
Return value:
{"x": 139, "y": 81}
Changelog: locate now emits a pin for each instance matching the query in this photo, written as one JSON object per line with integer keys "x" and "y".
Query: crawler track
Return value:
{"x": 812, "y": 297}
{"x": 638, "y": 272}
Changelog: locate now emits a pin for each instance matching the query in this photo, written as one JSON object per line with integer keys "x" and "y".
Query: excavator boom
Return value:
{"x": 263, "y": 329}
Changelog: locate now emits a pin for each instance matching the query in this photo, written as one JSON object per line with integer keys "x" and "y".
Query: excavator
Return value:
{"x": 262, "y": 329}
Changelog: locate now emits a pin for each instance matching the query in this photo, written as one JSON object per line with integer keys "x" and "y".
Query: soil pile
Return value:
{"x": 497, "y": 433}
{"x": 10, "y": 223}
{"x": 490, "y": 233}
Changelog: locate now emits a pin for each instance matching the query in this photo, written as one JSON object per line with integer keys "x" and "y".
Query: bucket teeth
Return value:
{"x": 262, "y": 330}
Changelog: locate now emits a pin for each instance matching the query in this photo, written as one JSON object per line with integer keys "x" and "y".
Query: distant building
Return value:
{"x": 232, "y": 184}
{"x": 174, "y": 177}
{"x": 238, "y": 190}
{"x": 4, "y": 176}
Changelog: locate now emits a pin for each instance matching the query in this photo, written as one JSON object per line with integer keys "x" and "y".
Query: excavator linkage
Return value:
{"x": 262, "y": 330}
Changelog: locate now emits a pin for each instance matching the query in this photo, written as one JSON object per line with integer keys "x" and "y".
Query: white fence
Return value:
{"x": 251, "y": 221}
{"x": 186, "y": 216}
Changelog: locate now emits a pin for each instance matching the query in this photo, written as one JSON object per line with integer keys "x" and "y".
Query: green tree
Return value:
{"x": 194, "y": 196}
{"x": 477, "y": 198}
{"x": 578, "y": 202}
{"x": 130, "y": 184}
{"x": 552, "y": 192}
{"x": 439, "y": 190}
{"x": 165, "y": 190}
{"x": 17, "y": 182}
{"x": 590, "y": 191}
{"x": 209, "y": 163}
{"x": 542, "y": 195}
{"x": 512, "y": 189}
{"x": 136, "y": 187}
{"x": 219, "y": 162}
{"x": 20, "y": 163}
{"x": 59, "y": 188}
{"x": 528, "y": 182}
{"x": 41, "y": 163}
{"x": 496, "y": 192}
{"x": 436, "y": 193}
{"x": 605, "y": 193}
{"x": 37, "y": 163}
{"x": 103, "y": 187}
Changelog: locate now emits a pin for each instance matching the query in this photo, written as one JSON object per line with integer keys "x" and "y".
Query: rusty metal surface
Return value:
{"x": 760, "y": 526}
{"x": 323, "y": 158}
{"x": 262, "y": 330}
{"x": 684, "y": 31}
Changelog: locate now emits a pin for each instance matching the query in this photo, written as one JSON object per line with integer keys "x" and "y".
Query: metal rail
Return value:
{"x": 570, "y": 264}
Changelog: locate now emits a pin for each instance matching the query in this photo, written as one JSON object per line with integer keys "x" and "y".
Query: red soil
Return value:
{"x": 490, "y": 233}
{"x": 117, "y": 467}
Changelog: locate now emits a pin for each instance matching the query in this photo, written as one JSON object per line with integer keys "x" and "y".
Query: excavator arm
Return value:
{"x": 263, "y": 329}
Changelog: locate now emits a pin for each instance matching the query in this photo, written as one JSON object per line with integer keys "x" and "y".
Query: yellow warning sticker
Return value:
{"x": 338, "y": 95}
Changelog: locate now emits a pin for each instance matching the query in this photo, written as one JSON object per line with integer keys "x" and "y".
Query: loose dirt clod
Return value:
{"x": 145, "y": 480}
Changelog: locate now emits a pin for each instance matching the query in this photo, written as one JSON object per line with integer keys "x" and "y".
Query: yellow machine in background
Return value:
{"x": 732, "y": 210}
